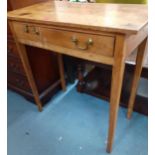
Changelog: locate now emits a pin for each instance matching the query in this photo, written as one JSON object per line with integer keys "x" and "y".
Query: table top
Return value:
{"x": 119, "y": 18}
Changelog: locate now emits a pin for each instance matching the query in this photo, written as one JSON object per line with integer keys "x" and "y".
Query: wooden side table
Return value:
{"x": 104, "y": 33}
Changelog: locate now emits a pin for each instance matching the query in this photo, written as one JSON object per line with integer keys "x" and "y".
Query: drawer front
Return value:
{"x": 27, "y": 33}
{"x": 15, "y": 65}
{"x": 18, "y": 81}
{"x": 96, "y": 44}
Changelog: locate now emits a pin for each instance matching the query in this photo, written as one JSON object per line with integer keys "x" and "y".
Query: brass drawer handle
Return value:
{"x": 87, "y": 43}
{"x": 26, "y": 28}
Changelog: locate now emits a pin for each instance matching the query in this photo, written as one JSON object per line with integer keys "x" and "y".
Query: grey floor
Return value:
{"x": 71, "y": 124}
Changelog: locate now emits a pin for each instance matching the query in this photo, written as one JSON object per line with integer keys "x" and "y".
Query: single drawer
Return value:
{"x": 27, "y": 33}
{"x": 15, "y": 65}
{"x": 94, "y": 44}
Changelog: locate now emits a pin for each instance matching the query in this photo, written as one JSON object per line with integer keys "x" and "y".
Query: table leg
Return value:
{"x": 116, "y": 85}
{"x": 80, "y": 77}
{"x": 24, "y": 58}
{"x": 61, "y": 71}
{"x": 117, "y": 78}
{"x": 137, "y": 73}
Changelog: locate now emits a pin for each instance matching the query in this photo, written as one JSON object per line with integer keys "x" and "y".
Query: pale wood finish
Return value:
{"x": 30, "y": 36}
{"x": 116, "y": 85}
{"x": 139, "y": 64}
{"x": 133, "y": 41}
{"x": 24, "y": 58}
{"x": 132, "y": 59}
{"x": 116, "y": 30}
{"x": 102, "y": 45}
{"x": 121, "y": 18}
{"x": 60, "y": 41}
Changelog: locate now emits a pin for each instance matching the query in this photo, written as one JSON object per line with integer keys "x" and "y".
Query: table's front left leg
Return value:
{"x": 116, "y": 85}
{"x": 24, "y": 58}
{"x": 28, "y": 71}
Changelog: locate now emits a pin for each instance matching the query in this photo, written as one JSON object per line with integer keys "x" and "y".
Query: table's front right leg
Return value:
{"x": 116, "y": 85}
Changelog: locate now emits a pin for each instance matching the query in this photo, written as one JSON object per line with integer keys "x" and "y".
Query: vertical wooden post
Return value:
{"x": 61, "y": 71}
{"x": 24, "y": 58}
{"x": 136, "y": 77}
{"x": 117, "y": 78}
{"x": 80, "y": 77}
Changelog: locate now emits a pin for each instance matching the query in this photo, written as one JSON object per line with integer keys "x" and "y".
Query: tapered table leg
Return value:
{"x": 80, "y": 77}
{"x": 28, "y": 71}
{"x": 61, "y": 71}
{"x": 136, "y": 78}
{"x": 116, "y": 85}
{"x": 24, "y": 58}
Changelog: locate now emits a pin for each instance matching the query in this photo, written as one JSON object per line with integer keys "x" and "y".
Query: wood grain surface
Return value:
{"x": 121, "y": 18}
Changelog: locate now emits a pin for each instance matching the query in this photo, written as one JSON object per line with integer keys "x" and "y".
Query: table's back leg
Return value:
{"x": 61, "y": 71}
{"x": 24, "y": 58}
{"x": 81, "y": 82}
{"x": 136, "y": 78}
{"x": 116, "y": 85}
